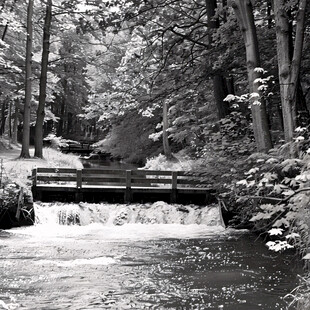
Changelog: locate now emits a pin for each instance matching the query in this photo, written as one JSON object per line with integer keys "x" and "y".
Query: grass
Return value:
{"x": 19, "y": 169}
{"x": 180, "y": 162}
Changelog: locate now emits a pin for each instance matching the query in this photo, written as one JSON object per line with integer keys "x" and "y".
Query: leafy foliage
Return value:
{"x": 9, "y": 196}
{"x": 274, "y": 194}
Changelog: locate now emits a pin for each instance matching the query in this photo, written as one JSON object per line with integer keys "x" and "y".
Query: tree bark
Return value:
{"x": 167, "y": 150}
{"x": 5, "y": 31}
{"x": 220, "y": 92}
{"x": 15, "y": 122}
{"x": 3, "y": 117}
{"x": 26, "y": 119}
{"x": 289, "y": 65}
{"x": 244, "y": 13}
{"x": 219, "y": 87}
{"x": 43, "y": 82}
{"x": 10, "y": 122}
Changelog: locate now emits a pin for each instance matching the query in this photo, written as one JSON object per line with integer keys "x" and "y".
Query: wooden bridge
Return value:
{"x": 78, "y": 148}
{"x": 115, "y": 185}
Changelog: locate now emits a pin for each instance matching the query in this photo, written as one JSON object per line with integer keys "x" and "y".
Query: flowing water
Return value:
{"x": 151, "y": 256}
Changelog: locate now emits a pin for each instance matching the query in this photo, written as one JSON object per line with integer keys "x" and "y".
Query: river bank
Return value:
{"x": 16, "y": 203}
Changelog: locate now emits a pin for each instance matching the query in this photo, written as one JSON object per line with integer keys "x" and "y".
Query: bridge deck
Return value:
{"x": 116, "y": 185}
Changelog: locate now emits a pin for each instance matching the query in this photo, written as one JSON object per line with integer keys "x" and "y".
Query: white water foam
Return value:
{"x": 118, "y": 214}
{"x": 114, "y": 222}
{"x": 103, "y": 261}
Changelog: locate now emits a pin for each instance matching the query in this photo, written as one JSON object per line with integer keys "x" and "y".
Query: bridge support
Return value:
{"x": 128, "y": 194}
{"x": 78, "y": 196}
{"x": 174, "y": 192}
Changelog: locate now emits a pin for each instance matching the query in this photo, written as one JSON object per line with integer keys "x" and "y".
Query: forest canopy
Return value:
{"x": 194, "y": 75}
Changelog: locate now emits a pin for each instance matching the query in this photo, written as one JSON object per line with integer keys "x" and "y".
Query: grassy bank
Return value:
{"x": 19, "y": 170}
{"x": 16, "y": 203}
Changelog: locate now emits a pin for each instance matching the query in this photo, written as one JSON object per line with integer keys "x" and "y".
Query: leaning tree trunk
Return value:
{"x": 244, "y": 13}
{"x": 26, "y": 120}
{"x": 43, "y": 81}
{"x": 167, "y": 150}
{"x": 289, "y": 65}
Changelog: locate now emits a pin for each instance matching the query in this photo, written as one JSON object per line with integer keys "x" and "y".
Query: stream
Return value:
{"x": 150, "y": 256}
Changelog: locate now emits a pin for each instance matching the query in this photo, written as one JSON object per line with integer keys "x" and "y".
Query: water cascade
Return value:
{"x": 118, "y": 214}
{"x": 138, "y": 256}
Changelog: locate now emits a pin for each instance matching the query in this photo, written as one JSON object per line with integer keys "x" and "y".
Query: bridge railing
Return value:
{"x": 114, "y": 177}
{"x": 115, "y": 181}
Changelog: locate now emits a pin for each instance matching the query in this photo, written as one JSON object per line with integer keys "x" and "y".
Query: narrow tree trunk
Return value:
{"x": 5, "y": 31}
{"x": 303, "y": 115}
{"x": 220, "y": 92}
{"x": 219, "y": 87}
{"x": 10, "y": 122}
{"x": 3, "y": 117}
{"x": 26, "y": 120}
{"x": 167, "y": 150}
{"x": 230, "y": 85}
{"x": 269, "y": 16}
{"x": 61, "y": 122}
{"x": 289, "y": 65}
{"x": 43, "y": 81}
{"x": 15, "y": 122}
{"x": 244, "y": 13}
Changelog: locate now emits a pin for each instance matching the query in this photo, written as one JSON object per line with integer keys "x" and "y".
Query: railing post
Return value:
{"x": 174, "y": 190}
{"x": 34, "y": 183}
{"x": 127, "y": 197}
{"x": 78, "y": 178}
{"x": 78, "y": 193}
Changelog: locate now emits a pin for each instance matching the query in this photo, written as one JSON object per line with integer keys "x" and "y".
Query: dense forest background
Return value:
{"x": 149, "y": 77}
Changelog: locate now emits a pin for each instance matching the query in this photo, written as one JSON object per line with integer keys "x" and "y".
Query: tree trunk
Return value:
{"x": 219, "y": 87}
{"x": 43, "y": 81}
{"x": 220, "y": 93}
{"x": 10, "y": 122}
{"x": 167, "y": 150}
{"x": 26, "y": 120}
{"x": 303, "y": 115}
{"x": 289, "y": 65}
{"x": 3, "y": 117}
{"x": 244, "y": 13}
{"x": 5, "y": 31}
{"x": 15, "y": 122}
{"x": 63, "y": 99}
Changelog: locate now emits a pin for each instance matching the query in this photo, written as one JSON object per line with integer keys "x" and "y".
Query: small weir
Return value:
{"x": 118, "y": 214}
{"x": 139, "y": 256}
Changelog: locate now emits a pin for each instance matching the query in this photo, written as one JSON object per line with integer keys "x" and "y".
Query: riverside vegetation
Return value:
{"x": 268, "y": 193}
{"x": 186, "y": 79}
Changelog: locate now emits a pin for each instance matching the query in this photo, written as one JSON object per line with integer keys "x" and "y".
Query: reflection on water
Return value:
{"x": 140, "y": 266}
{"x": 103, "y": 163}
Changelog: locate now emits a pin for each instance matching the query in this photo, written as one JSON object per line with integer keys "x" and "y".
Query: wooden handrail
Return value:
{"x": 129, "y": 178}
{"x": 132, "y": 184}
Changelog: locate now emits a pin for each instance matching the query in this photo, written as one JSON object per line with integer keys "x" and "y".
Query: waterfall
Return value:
{"x": 119, "y": 214}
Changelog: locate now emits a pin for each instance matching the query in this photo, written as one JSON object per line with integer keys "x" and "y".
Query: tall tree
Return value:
{"x": 43, "y": 81}
{"x": 244, "y": 12}
{"x": 288, "y": 63}
{"x": 166, "y": 146}
{"x": 26, "y": 119}
{"x": 219, "y": 82}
